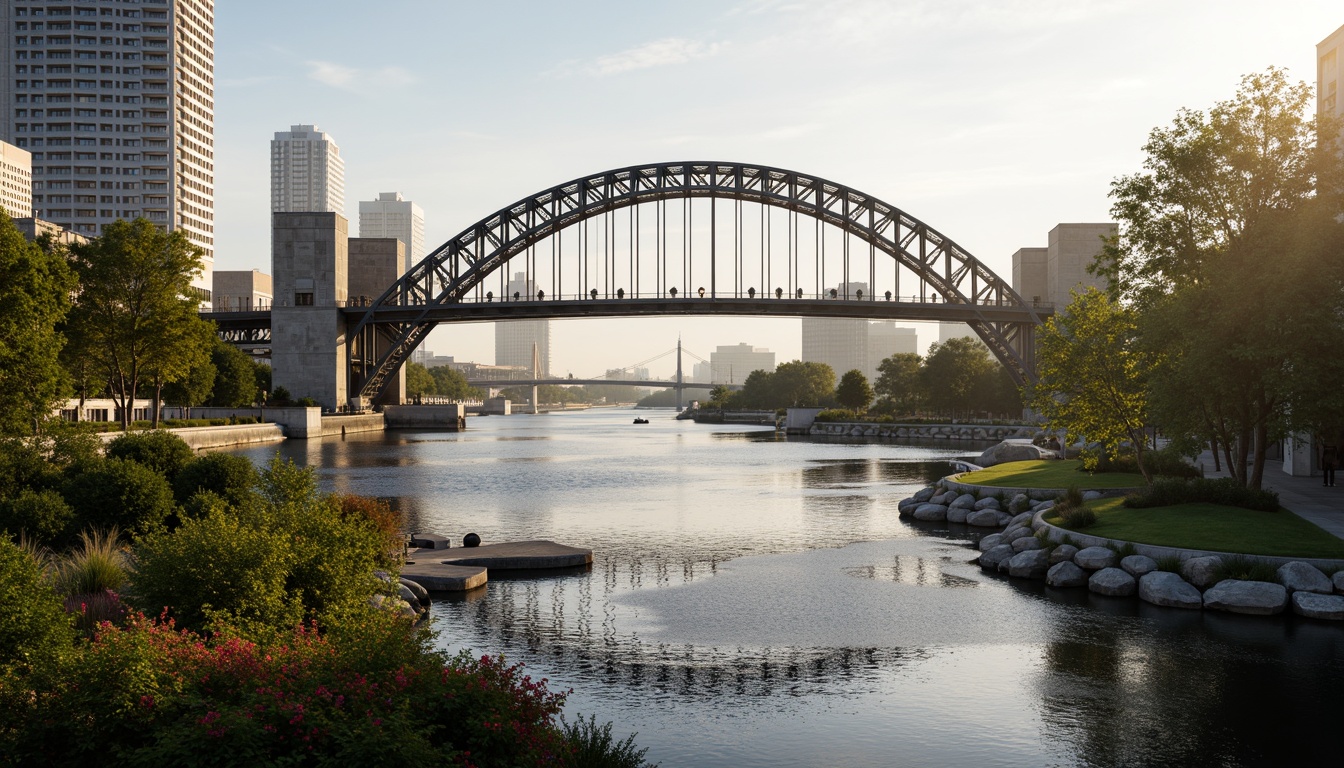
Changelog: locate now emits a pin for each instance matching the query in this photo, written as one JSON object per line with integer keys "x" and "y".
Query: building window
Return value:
{"x": 303, "y": 299}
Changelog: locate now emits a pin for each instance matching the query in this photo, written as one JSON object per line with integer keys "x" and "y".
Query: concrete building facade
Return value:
{"x": 16, "y": 181}
{"x": 307, "y": 172}
{"x": 514, "y": 339}
{"x": 838, "y": 342}
{"x": 886, "y": 339}
{"x": 242, "y": 290}
{"x": 310, "y": 260}
{"x": 1031, "y": 274}
{"x": 734, "y": 363}
{"x": 1049, "y": 275}
{"x": 391, "y": 216}
{"x": 1330, "y": 74}
{"x": 35, "y": 228}
{"x": 115, "y": 101}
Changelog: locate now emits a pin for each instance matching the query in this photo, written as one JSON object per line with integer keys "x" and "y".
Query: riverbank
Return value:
{"x": 1025, "y": 546}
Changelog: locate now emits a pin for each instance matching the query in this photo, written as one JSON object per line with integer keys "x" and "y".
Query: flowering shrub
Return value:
{"x": 151, "y": 694}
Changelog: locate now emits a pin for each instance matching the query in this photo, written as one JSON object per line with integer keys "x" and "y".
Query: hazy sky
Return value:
{"x": 991, "y": 121}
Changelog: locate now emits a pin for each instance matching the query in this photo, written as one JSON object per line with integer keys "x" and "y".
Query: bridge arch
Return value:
{"x": 383, "y": 333}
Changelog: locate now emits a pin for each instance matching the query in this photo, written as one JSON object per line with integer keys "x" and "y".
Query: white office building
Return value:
{"x": 16, "y": 181}
{"x": 307, "y": 172}
{"x": 1330, "y": 74}
{"x": 514, "y": 339}
{"x": 391, "y": 216}
{"x": 115, "y": 101}
{"x": 733, "y": 364}
{"x": 885, "y": 339}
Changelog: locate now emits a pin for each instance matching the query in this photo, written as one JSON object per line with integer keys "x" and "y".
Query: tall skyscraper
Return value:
{"x": 838, "y": 342}
{"x": 307, "y": 172}
{"x": 514, "y": 338}
{"x": 115, "y": 101}
{"x": 16, "y": 181}
{"x": 391, "y": 216}
{"x": 885, "y": 339}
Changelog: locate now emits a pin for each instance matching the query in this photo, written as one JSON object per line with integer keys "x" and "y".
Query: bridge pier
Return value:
{"x": 312, "y": 257}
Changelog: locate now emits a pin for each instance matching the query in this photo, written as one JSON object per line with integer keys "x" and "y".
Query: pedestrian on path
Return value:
{"x": 1329, "y": 460}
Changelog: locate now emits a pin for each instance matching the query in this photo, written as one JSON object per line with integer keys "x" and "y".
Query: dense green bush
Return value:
{"x": 35, "y": 630}
{"x": 1166, "y": 492}
{"x": 839, "y": 414}
{"x": 161, "y": 451}
{"x": 229, "y": 476}
{"x": 119, "y": 494}
{"x": 287, "y": 554}
{"x": 1245, "y": 569}
{"x": 1167, "y": 462}
{"x": 42, "y": 516}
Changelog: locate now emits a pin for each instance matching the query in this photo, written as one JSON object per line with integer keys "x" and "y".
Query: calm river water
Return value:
{"x": 756, "y": 601}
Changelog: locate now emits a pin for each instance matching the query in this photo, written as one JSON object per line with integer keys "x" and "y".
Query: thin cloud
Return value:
{"x": 657, "y": 53}
{"x": 353, "y": 79}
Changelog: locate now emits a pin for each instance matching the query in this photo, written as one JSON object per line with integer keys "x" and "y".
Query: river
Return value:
{"x": 756, "y": 601}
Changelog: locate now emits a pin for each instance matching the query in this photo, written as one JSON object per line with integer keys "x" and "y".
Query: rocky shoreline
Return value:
{"x": 1023, "y": 547}
{"x": 922, "y": 431}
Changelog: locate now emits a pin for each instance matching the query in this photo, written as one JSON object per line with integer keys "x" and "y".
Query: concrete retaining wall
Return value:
{"x": 930, "y": 431}
{"x": 201, "y": 438}
{"x": 447, "y": 416}
{"x": 1036, "y": 494}
{"x": 335, "y": 426}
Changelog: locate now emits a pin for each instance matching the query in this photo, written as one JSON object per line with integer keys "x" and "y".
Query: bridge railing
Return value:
{"x": 489, "y": 297}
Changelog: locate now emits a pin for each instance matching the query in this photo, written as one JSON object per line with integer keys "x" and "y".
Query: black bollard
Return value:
{"x": 471, "y": 540}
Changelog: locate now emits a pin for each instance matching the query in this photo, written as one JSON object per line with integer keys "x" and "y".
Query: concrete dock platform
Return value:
{"x": 518, "y": 555}
{"x": 465, "y": 568}
{"x": 436, "y": 576}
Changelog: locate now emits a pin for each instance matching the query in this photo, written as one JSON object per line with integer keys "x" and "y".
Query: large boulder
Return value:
{"x": 1317, "y": 606}
{"x": 1031, "y": 564}
{"x": 924, "y": 495}
{"x": 1094, "y": 558}
{"x": 1091, "y": 495}
{"x": 1013, "y": 450}
{"x": 1025, "y": 543}
{"x": 1063, "y": 554}
{"x": 906, "y": 506}
{"x": 1066, "y": 574}
{"x": 1138, "y": 565}
{"x": 984, "y": 518}
{"x": 989, "y": 502}
{"x": 1019, "y": 503}
{"x": 931, "y": 512}
{"x": 1304, "y": 577}
{"x": 989, "y": 542}
{"x": 957, "y": 514}
{"x": 1112, "y": 581}
{"x": 1016, "y": 532}
{"x": 1259, "y": 598}
{"x": 1338, "y": 581}
{"x": 1021, "y": 518}
{"x": 1202, "y": 571}
{"x": 964, "y": 501}
{"x": 944, "y": 498}
{"x": 990, "y": 560}
{"x": 1168, "y": 589}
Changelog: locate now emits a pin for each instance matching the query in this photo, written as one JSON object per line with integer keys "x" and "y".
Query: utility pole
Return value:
{"x": 536, "y": 374}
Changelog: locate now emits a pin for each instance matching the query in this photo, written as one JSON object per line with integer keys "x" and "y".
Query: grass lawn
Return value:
{"x": 1050, "y": 473}
{"x": 1212, "y": 526}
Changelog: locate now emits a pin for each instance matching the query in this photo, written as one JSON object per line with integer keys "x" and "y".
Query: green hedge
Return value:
{"x": 1170, "y": 491}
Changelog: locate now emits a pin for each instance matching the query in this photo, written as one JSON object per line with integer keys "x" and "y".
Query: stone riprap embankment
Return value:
{"x": 1022, "y": 545}
{"x": 921, "y": 431}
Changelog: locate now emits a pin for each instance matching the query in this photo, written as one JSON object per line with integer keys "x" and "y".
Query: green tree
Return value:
{"x": 718, "y": 396}
{"x": 1093, "y": 376}
{"x": 952, "y": 373}
{"x": 800, "y": 384}
{"x": 853, "y": 391}
{"x": 34, "y": 298}
{"x": 450, "y": 383}
{"x": 418, "y": 381}
{"x": 119, "y": 494}
{"x": 193, "y": 389}
{"x": 134, "y": 281}
{"x": 161, "y": 451}
{"x": 235, "y": 377}
{"x": 1212, "y": 254}
{"x": 183, "y": 349}
{"x": 898, "y": 382}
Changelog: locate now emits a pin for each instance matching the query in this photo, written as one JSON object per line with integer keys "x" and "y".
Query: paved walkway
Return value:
{"x": 1304, "y": 495}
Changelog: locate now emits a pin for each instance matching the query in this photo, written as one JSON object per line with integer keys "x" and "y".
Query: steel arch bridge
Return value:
{"x": 450, "y": 284}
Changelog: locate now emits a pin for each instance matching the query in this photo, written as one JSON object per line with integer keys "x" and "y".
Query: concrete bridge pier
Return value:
{"x": 319, "y": 270}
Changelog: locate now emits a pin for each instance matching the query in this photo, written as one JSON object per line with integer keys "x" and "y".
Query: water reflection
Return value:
{"x": 762, "y": 593}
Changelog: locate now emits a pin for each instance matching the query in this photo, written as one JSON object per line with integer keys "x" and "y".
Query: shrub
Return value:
{"x": 35, "y": 629}
{"x": 376, "y": 513}
{"x": 224, "y": 474}
{"x": 1165, "y": 492}
{"x": 592, "y": 746}
{"x": 1169, "y": 462}
{"x": 1245, "y": 569}
{"x": 1169, "y": 563}
{"x": 119, "y": 494}
{"x": 24, "y": 467}
{"x": 161, "y": 451}
{"x": 839, "y": 414}
{"x": 1078, "y": 517}
{"x": 96, "y": 565}
{"x": 42, "y": 515}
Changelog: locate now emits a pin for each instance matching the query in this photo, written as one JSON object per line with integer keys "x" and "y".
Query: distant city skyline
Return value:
{"x": 990, "y": 122}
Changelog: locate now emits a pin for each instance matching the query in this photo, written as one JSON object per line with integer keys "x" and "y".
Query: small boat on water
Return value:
{"x": 641, "y": 421}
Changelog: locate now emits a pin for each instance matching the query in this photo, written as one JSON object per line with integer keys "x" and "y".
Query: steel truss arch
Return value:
{"x": 383, "y": 335}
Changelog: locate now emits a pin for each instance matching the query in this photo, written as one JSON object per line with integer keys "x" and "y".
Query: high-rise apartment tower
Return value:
{"x": 307, "y": 172}
{"x": 1330, "y": 74}
{"x": 391, "y": 216}
{"x": 115, "y": 99}
{"x": 514, "y": 338}
{"x": 16, "y": 181}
